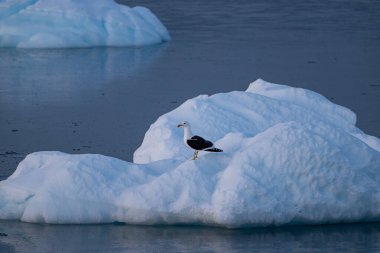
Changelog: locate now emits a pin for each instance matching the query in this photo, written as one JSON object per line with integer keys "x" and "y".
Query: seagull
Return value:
{"x": 196, "y": 142}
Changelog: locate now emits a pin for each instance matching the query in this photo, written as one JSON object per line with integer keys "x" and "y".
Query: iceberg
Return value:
{"x": 85, "y": 23}
{"x": 290, "y": 157}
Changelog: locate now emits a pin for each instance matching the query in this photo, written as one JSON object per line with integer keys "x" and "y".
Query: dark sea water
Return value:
{"x": 23, "y": 237}
{"x": 102, "y": 100}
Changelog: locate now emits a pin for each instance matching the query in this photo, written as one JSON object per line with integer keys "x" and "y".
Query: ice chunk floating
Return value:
{"x": 290, "y": 157}
{"x": 84, "y": 23}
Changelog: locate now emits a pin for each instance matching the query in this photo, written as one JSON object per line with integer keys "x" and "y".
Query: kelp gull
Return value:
{"x": 196, "y": 142}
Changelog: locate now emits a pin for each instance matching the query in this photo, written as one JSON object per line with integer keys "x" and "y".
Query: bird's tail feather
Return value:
{"x": 213, "y": 150}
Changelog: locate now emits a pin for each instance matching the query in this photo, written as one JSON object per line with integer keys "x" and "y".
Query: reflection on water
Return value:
{"x": 54, "y": 74}
{"x": 23, "y": 237}
{"x": 73, "y": 100}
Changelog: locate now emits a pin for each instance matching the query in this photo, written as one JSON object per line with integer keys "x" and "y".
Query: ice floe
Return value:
{"x": 84, "y": 23}
{"x": 290, "y": 157}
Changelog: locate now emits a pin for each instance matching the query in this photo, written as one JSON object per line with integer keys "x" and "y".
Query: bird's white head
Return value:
{"x": 186, "y": 128}
{"x": 184, "y": 124}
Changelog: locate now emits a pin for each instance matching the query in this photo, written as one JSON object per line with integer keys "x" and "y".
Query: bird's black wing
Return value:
{"x": 198, "y": 143}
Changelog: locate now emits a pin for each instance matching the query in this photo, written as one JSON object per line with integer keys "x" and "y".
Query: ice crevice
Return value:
{"x": 7, "y": 11}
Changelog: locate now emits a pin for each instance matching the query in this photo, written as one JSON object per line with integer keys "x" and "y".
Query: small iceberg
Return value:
{"x": 84, "y": 23}
{"x": 290, "y": 157}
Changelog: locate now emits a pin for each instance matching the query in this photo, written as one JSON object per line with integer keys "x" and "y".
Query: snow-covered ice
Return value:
{"x": 290, "y": 157}
{"x": 84, "y": 23}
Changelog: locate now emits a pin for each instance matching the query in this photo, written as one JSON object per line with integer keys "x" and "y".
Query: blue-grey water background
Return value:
{"x": 103, "y": 100}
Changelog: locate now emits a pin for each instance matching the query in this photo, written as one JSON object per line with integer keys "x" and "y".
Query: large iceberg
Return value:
{"x": 84, "y": 23}
{"x": 290, "y": 157}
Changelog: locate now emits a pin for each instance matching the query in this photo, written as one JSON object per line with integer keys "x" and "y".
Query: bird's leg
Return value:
{"x": 195, "y": 154}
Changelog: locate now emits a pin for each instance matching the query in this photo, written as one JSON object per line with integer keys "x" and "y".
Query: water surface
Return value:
{"x": 22, "y": 237}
